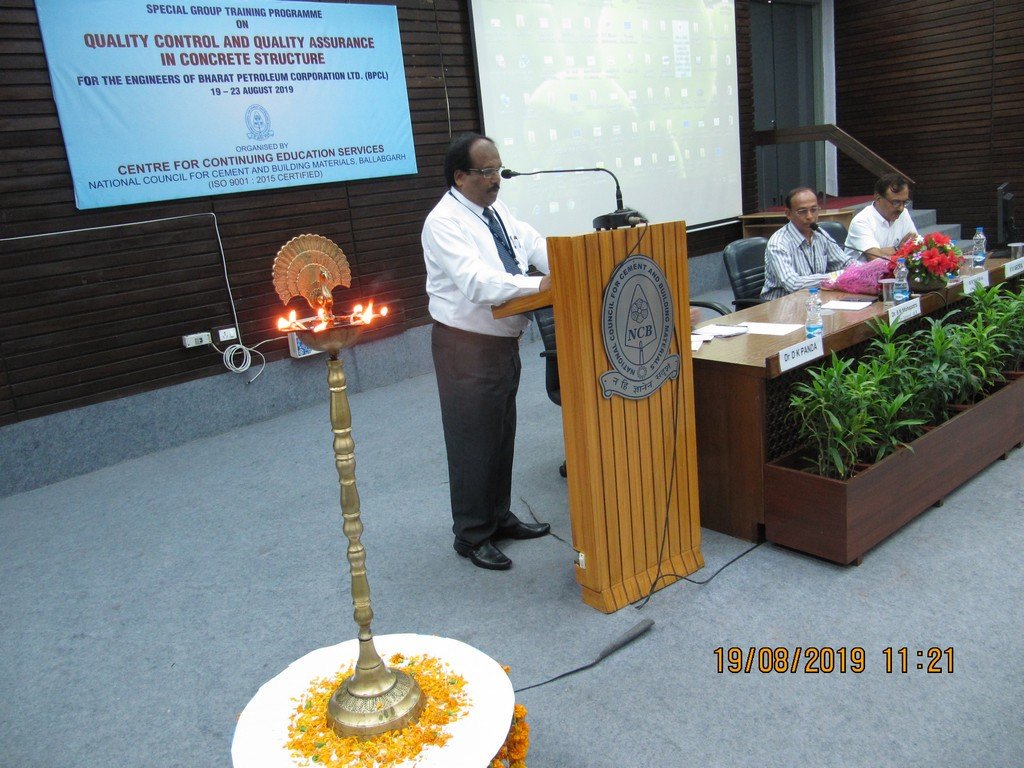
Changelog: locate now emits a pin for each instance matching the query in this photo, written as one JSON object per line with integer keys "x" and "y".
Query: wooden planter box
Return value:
{"x": 840, "y": 520}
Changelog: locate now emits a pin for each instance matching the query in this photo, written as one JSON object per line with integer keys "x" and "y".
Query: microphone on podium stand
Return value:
{"x": 620, "y": 217}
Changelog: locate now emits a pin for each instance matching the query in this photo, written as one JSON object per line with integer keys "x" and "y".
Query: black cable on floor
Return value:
{"x": 641, "y": 603}
{"x": 636, "y": 630}
{"x": 534, "y": 516}
{"x": 680, "y": 577}
{"x": 632, "y": 634}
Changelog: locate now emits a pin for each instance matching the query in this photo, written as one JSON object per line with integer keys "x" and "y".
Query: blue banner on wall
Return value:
{"x": 162, "y": 101}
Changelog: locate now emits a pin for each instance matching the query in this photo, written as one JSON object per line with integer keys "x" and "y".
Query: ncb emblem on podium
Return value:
{"x": 637, "y": 322}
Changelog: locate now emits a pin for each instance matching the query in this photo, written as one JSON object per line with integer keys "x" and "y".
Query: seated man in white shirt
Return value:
{"x": 797, "y": 256}
{"x": 885, "y": 225}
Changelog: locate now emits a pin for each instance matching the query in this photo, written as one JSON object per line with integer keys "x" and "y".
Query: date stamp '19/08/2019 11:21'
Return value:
{"x": 824, "y": 659}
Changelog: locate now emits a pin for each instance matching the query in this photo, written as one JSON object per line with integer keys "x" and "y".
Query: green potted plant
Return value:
{"x": 981, "y": 357}
{"x": 902, "y": 411}
{"x": 867, "y": 411}
{"x": 834, "y": 417}
{"x": 939, "y": 373}
{"x": 1003, "y": 309}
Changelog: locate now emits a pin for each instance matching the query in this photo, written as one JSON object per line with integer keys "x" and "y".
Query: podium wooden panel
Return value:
{"x": 632, "y": 469}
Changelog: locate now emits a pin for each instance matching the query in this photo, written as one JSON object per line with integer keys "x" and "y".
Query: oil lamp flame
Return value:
{"x": 365, "y": 316}
{"x": 321, "y": 315}
{"x": 360, "y": 316}
{"x": 291, "y": 323}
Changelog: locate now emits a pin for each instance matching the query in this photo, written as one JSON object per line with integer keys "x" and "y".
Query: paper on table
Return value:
{"x": 721, "y": 330}
{"x": 696, "y": 341}
{"x": 772, "y": 329}
{"x": 844, "y": 304}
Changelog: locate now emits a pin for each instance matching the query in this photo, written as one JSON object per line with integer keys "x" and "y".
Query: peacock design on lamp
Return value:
{"x": 311, "y": 266}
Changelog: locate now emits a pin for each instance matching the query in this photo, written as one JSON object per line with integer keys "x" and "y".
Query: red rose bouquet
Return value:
{"x": 933, "y": 257}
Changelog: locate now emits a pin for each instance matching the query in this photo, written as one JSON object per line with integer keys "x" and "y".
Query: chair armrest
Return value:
{"x": 744, "y": 303}
{"x": 712, "y": 305}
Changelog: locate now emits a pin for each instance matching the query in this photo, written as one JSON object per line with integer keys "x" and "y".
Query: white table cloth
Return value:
{"x": 262, "y": 729}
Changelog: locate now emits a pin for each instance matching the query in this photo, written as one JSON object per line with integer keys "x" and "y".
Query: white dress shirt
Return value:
{"x": 465, "y": 276}
{"x": 870, "y": 230}
{"x": 791, "y": 263}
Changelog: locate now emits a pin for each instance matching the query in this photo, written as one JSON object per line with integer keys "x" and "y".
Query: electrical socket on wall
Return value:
{"x": 196, "y": 340}
{"x": 227, "y": 333}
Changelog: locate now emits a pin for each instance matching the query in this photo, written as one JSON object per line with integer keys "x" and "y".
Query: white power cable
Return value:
{"x": 228, "y": 356}
{"x": 244, "y": 354}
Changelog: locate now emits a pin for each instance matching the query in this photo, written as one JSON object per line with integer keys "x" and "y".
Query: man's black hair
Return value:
{"x": 794, "y": 192}
{"x": 457, "y": 156}
{"x": 891, "y": 182}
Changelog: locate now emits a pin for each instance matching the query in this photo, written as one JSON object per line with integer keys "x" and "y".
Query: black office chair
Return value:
{"x": 744, "y": 263}
{"x": 835, "y": 230}
{"x": 545, "y": 319}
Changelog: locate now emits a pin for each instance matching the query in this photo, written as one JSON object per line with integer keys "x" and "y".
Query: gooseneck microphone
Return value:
{"x": 620, "y": 217}
{"x": 820, "y": 231}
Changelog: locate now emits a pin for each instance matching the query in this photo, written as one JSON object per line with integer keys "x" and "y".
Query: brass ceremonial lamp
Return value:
{"x": 375, "y": 699}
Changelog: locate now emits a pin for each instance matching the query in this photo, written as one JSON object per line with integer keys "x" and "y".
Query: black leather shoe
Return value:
{"x": 521, "y": 530}
{"x": 486, "y": 555}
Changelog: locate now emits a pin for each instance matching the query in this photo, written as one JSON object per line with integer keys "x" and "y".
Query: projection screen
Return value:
{"x": 643, "y": 88}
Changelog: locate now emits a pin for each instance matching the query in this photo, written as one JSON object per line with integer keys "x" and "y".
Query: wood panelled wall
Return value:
{"x": 98, "y": 313}
{"x": 936, "y": 88}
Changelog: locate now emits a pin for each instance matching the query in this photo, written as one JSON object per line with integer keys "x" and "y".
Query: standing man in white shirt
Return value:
{"x": 885, "y": 225}
{"x": 477, "y": 254}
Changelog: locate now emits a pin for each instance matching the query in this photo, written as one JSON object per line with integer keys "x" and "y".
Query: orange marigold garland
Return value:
{"x": 310, "y": 735}
{"x": 513, "y": 752}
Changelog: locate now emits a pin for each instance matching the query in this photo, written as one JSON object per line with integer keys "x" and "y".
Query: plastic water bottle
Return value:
{"x": 814, "y": 325}
{"x": 900, "y": 286}
{"x": 979, "y": 248}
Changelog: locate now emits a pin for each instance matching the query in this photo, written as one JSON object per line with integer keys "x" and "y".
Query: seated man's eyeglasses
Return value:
{"x": 804, "y": 211}
{"x": 899, "y": 203}
{"x": 487, "y": 173}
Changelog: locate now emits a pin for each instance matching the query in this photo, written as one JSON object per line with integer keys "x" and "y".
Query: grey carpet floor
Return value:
{"x": 144, "y": 604}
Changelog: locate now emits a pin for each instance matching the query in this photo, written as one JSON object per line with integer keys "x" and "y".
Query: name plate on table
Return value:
{"x": 973, "y": 282}
{"x": 1013, "y": 268}
{"x": 905, "y": 311}
{"x": 801, "y": 352}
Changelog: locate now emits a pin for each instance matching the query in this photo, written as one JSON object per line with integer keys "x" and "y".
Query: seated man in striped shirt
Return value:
{"x": 797, "y": 256}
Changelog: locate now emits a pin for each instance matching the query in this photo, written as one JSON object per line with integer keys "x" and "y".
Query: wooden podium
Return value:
{"x": 632, "y": 467}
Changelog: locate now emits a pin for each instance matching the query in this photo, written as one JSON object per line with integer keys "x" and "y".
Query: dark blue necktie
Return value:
{"x": 504, "y": 251}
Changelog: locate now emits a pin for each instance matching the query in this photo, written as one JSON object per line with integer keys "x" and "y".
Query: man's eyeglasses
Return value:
{"x": 899, "y": 203}
{"x": 805, "y": 211}
{"x": 487, "y": 173}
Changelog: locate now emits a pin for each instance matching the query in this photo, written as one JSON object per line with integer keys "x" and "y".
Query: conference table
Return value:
{"x": 742, "y": 394}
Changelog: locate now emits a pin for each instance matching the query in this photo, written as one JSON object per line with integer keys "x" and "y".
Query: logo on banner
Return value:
{"x": 637, "y": 320}
{"x": 257, "y": 120}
